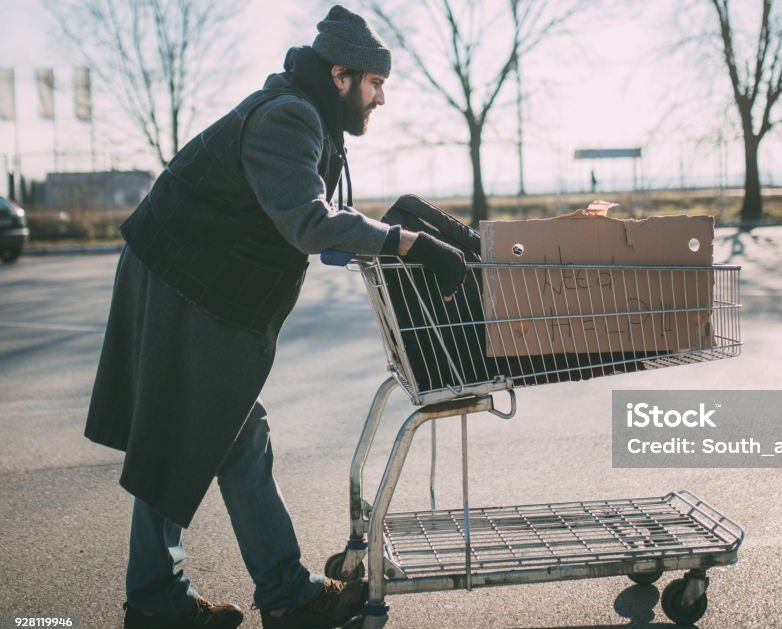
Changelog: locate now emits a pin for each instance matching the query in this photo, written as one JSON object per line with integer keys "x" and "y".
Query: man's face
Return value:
{"x": 359, "y": 99}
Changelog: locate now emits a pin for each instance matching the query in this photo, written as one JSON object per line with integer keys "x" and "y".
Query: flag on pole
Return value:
{"x": 82, "y": 103}
{"x": 7, "y": 98}
{"x": 44, "y": 78}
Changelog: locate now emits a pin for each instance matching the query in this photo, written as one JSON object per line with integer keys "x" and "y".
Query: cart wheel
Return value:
{"x": 645, "y": 578}
{"x": 357, "y": 622}
{"x": 333, "y": 568}
{"x": 676, "y": 610}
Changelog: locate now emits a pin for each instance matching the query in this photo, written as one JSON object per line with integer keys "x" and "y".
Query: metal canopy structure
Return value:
{"x": 633, "y": 153}
{"x": 606, "y": 153}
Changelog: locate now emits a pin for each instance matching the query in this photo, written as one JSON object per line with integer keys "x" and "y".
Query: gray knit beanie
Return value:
{"x": 345, "y": 39}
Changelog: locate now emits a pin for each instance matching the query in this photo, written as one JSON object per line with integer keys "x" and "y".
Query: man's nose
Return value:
{"x": 380, "y": 97}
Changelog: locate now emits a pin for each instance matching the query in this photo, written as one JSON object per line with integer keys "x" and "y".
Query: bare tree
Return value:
{"x": 467, "y": 53}
{"x": 159, "y": 59}
{"x": 757, "y": 85}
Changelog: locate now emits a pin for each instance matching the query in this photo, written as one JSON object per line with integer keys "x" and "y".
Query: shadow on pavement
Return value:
{"x": 637, "y": 604}
{"x": 748, "y": 246}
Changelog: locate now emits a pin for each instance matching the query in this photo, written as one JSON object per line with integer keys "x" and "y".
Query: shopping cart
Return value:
{"x": 517, "y": 325}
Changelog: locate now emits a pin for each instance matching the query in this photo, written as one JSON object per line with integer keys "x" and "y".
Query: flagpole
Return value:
{"x": 8, "y": 112}
{"x": 82, "y": 104}
{"x": 54, "y": 143}
{"x": 17, "y": 157}
{"x": 8, "y": 177}
{"x": 44, "y": 77}
{"x": 54, "y": 121}
{"x": 92, "y": 143}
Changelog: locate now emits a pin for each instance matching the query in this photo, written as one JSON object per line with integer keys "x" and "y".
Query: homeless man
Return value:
{"x": 214, "y": 260}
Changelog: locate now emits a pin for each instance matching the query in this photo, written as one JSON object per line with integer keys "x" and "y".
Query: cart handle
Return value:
{"x": 511, "y": 413}
{"x": 336, "y": 257}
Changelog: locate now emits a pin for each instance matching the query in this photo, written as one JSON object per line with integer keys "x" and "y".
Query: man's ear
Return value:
{"x": 341, "y": 79}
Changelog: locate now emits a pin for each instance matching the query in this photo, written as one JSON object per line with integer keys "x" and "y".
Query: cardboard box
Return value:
{"x": 580, "y": 310}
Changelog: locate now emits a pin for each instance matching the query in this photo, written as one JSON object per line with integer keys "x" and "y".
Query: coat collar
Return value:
{"x": 311, "y": 74}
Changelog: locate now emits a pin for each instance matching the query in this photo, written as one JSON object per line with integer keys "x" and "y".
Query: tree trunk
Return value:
{"x": 480, "y": 207}
{"x": 174, "y": 130}
{"x": 519, "y": 129}
{"x": 752, "y": 207}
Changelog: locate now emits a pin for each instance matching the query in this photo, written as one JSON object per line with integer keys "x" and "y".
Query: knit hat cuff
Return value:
{"x": 345, "y": 39}
{"x": 365, "y": 59}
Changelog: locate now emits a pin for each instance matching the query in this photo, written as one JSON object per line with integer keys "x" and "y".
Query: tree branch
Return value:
{"x": 417, "y": 60}
{"x": 462, "y": 72}
{"x": 152, "y": 55}
{"x": 726, "y": 33}
{"x": 773, "y": 88}
{"x": 516, "y": 53}
{"x": 760, "y": 55}
{"x": 137, "y": 37}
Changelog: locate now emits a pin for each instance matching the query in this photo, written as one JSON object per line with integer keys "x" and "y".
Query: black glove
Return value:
{"x": 445, "y": 261}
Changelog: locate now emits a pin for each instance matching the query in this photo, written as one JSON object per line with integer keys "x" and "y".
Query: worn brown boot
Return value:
{"x": 337, "y": 603}
{"x": 203, "y": 614}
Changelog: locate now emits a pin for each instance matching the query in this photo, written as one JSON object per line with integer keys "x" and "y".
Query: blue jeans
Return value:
{"x": 261, "y": 523}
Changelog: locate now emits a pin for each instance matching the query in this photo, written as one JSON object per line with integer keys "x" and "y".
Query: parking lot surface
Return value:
{"x": 64, "y": 519}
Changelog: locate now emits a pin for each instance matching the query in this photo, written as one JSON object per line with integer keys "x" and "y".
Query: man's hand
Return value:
{"x": 445, "y": 261}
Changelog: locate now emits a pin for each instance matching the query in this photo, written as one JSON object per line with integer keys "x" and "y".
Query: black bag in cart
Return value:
{"x": 464, "y": 342}
{"x": 462, "y": 322}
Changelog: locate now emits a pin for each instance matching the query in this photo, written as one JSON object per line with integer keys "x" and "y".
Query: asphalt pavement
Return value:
{"x": 64, "y": 519}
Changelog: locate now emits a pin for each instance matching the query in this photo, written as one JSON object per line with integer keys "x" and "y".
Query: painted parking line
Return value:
{"x": 56, "y": 327}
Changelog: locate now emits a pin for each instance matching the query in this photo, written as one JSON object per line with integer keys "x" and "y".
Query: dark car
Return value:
{"x": 13, "y": 230}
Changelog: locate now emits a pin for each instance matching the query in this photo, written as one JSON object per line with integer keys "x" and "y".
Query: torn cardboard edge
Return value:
{"x": 676, "y": 240}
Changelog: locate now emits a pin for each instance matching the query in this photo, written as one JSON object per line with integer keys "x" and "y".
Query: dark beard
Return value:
{"x": 355, "y": 117}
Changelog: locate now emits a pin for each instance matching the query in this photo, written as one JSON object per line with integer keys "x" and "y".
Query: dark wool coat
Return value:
{"x": 230, "y": 220}
{"x": 173, "y": 389}
{"x": 180, "y": 370}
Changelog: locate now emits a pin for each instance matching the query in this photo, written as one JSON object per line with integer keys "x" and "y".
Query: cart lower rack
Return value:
{"x": 515, "y": 326}
{"x": 638, "y": 536}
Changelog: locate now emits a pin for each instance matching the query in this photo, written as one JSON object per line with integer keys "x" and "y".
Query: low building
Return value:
{"x": 97, "y": 189}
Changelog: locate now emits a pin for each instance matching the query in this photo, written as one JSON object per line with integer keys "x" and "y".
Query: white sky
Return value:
{"x": 604, "y": 86}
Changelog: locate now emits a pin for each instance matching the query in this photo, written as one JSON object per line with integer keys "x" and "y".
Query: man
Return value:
{"x": 214, "y": 260}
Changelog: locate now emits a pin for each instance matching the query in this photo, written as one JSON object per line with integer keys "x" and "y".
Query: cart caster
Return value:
{"x": 333, "y": 569}
{"x": 676, "y": 606}
{"x": 645, "y": 578}
{"x": 374, "y": 617}
{"x": 357, "y": 622}
{"x": 365, "y": 622}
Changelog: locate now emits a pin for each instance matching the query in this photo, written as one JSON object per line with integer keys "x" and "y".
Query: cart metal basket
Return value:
{"x": 513, "y": 326}
{"x": 517, "y": 325}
